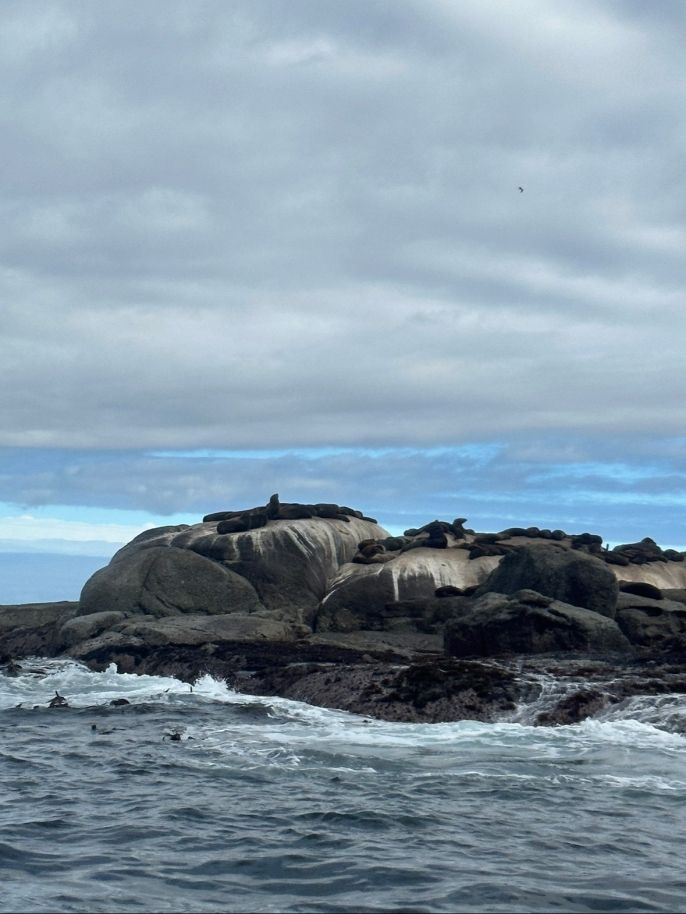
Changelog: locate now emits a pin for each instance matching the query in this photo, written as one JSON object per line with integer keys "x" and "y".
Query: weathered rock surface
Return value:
{"x": 574, "y": 707}
{"x": 141, "y": 634}
{"x": 358, "y": 596}
{"x": 33, "y": 628}
{"x": 284, "y": 565}
{"x": 166, "y": 581}
{"x": 420, "y": 692}
{"x": 656, "y": 624}
{"x": 529, "y": 623}
{"x": 81, "y": 628}
{"x": 570, "y": 576}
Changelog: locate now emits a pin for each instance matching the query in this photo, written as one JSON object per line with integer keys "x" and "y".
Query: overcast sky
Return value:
{"x": 251, "y": 246}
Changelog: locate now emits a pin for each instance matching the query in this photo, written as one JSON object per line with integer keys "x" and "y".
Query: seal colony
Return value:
{"x": 319, "y": 603}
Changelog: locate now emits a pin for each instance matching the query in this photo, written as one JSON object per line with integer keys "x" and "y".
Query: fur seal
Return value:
{"x": 59, "y": 701}
{"x": 94, "y": 728}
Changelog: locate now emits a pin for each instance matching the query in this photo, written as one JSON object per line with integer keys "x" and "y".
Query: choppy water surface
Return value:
{"x": 270, "y": 805}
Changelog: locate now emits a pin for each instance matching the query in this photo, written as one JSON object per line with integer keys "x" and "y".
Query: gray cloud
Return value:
{"x": 267, "y": 225}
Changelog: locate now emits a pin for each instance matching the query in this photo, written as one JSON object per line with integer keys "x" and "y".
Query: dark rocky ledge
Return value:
{"x": 319, "y": 603}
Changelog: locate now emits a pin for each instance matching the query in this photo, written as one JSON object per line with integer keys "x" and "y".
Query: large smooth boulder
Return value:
{"x": 81, "y": 628}
{"x": 290, "y": 563}
{"x": 529, "y": 623}
{"x": 166, "y": 581}
{"x": 285, "y": 566}
{"x": 567, "y": 575}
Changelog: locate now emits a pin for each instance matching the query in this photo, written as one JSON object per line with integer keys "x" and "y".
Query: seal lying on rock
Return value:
{"x": 254, "y": 518}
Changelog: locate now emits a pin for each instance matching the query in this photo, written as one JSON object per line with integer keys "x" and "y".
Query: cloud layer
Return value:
{"x": 259, "y": 225}
{"x": 494, "y": 485}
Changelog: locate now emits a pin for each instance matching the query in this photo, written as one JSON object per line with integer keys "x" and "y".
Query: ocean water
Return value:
{"x": 207, "y": 800}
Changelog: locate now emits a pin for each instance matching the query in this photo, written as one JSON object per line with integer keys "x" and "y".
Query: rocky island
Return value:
{"x": 319, "y": 603}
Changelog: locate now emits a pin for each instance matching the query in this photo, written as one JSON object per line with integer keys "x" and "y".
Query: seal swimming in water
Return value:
{"x": 94, "y": 728}
{"x": 59, "y": 701}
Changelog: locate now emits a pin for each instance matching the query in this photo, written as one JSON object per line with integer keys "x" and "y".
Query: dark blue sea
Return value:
{"x": 207, "y": 800}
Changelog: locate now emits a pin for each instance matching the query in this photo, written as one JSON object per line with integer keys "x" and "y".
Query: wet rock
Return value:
{"x": 574, "y": 708}
{"x": 417, "y": 692}
{"x": 81, "y": 628}
{"x": 188, "y": 631}
{"x": 678, "y": 594}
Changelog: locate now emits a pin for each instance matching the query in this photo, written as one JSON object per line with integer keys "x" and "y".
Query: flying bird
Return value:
{"x": 521, "y": 190}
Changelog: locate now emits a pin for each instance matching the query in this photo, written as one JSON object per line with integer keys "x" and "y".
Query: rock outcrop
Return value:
{"x": 282, "y": 565}
{"x": 318, "y": 602}
{"x": 649, "y": 623}
{"x": 564, "y": 574}
{"x": 165, "y": 580}
{"x": 527, "y": 622}
{"x": 33, "y": 628}
{"x": 358, "y": 596}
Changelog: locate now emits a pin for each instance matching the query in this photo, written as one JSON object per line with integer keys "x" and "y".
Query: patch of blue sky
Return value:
{"x": 620, "y": 472}
{"x": 481, "y": 453}
{"x": 97, "y": 515}
{"x": 573, "y": 496}
{"x": 655, "y": 499}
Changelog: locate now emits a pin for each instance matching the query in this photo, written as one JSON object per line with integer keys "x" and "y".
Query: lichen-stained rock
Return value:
{"x": 166, "y": 581}
{"x": 497, "y": 624}
{"x": 568, "y": 575}
{"x": 358, "y": 596}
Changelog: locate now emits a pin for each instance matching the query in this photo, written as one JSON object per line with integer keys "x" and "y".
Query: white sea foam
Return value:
{"x": 291, "y": 729}
{"x": 40, "y": 679}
